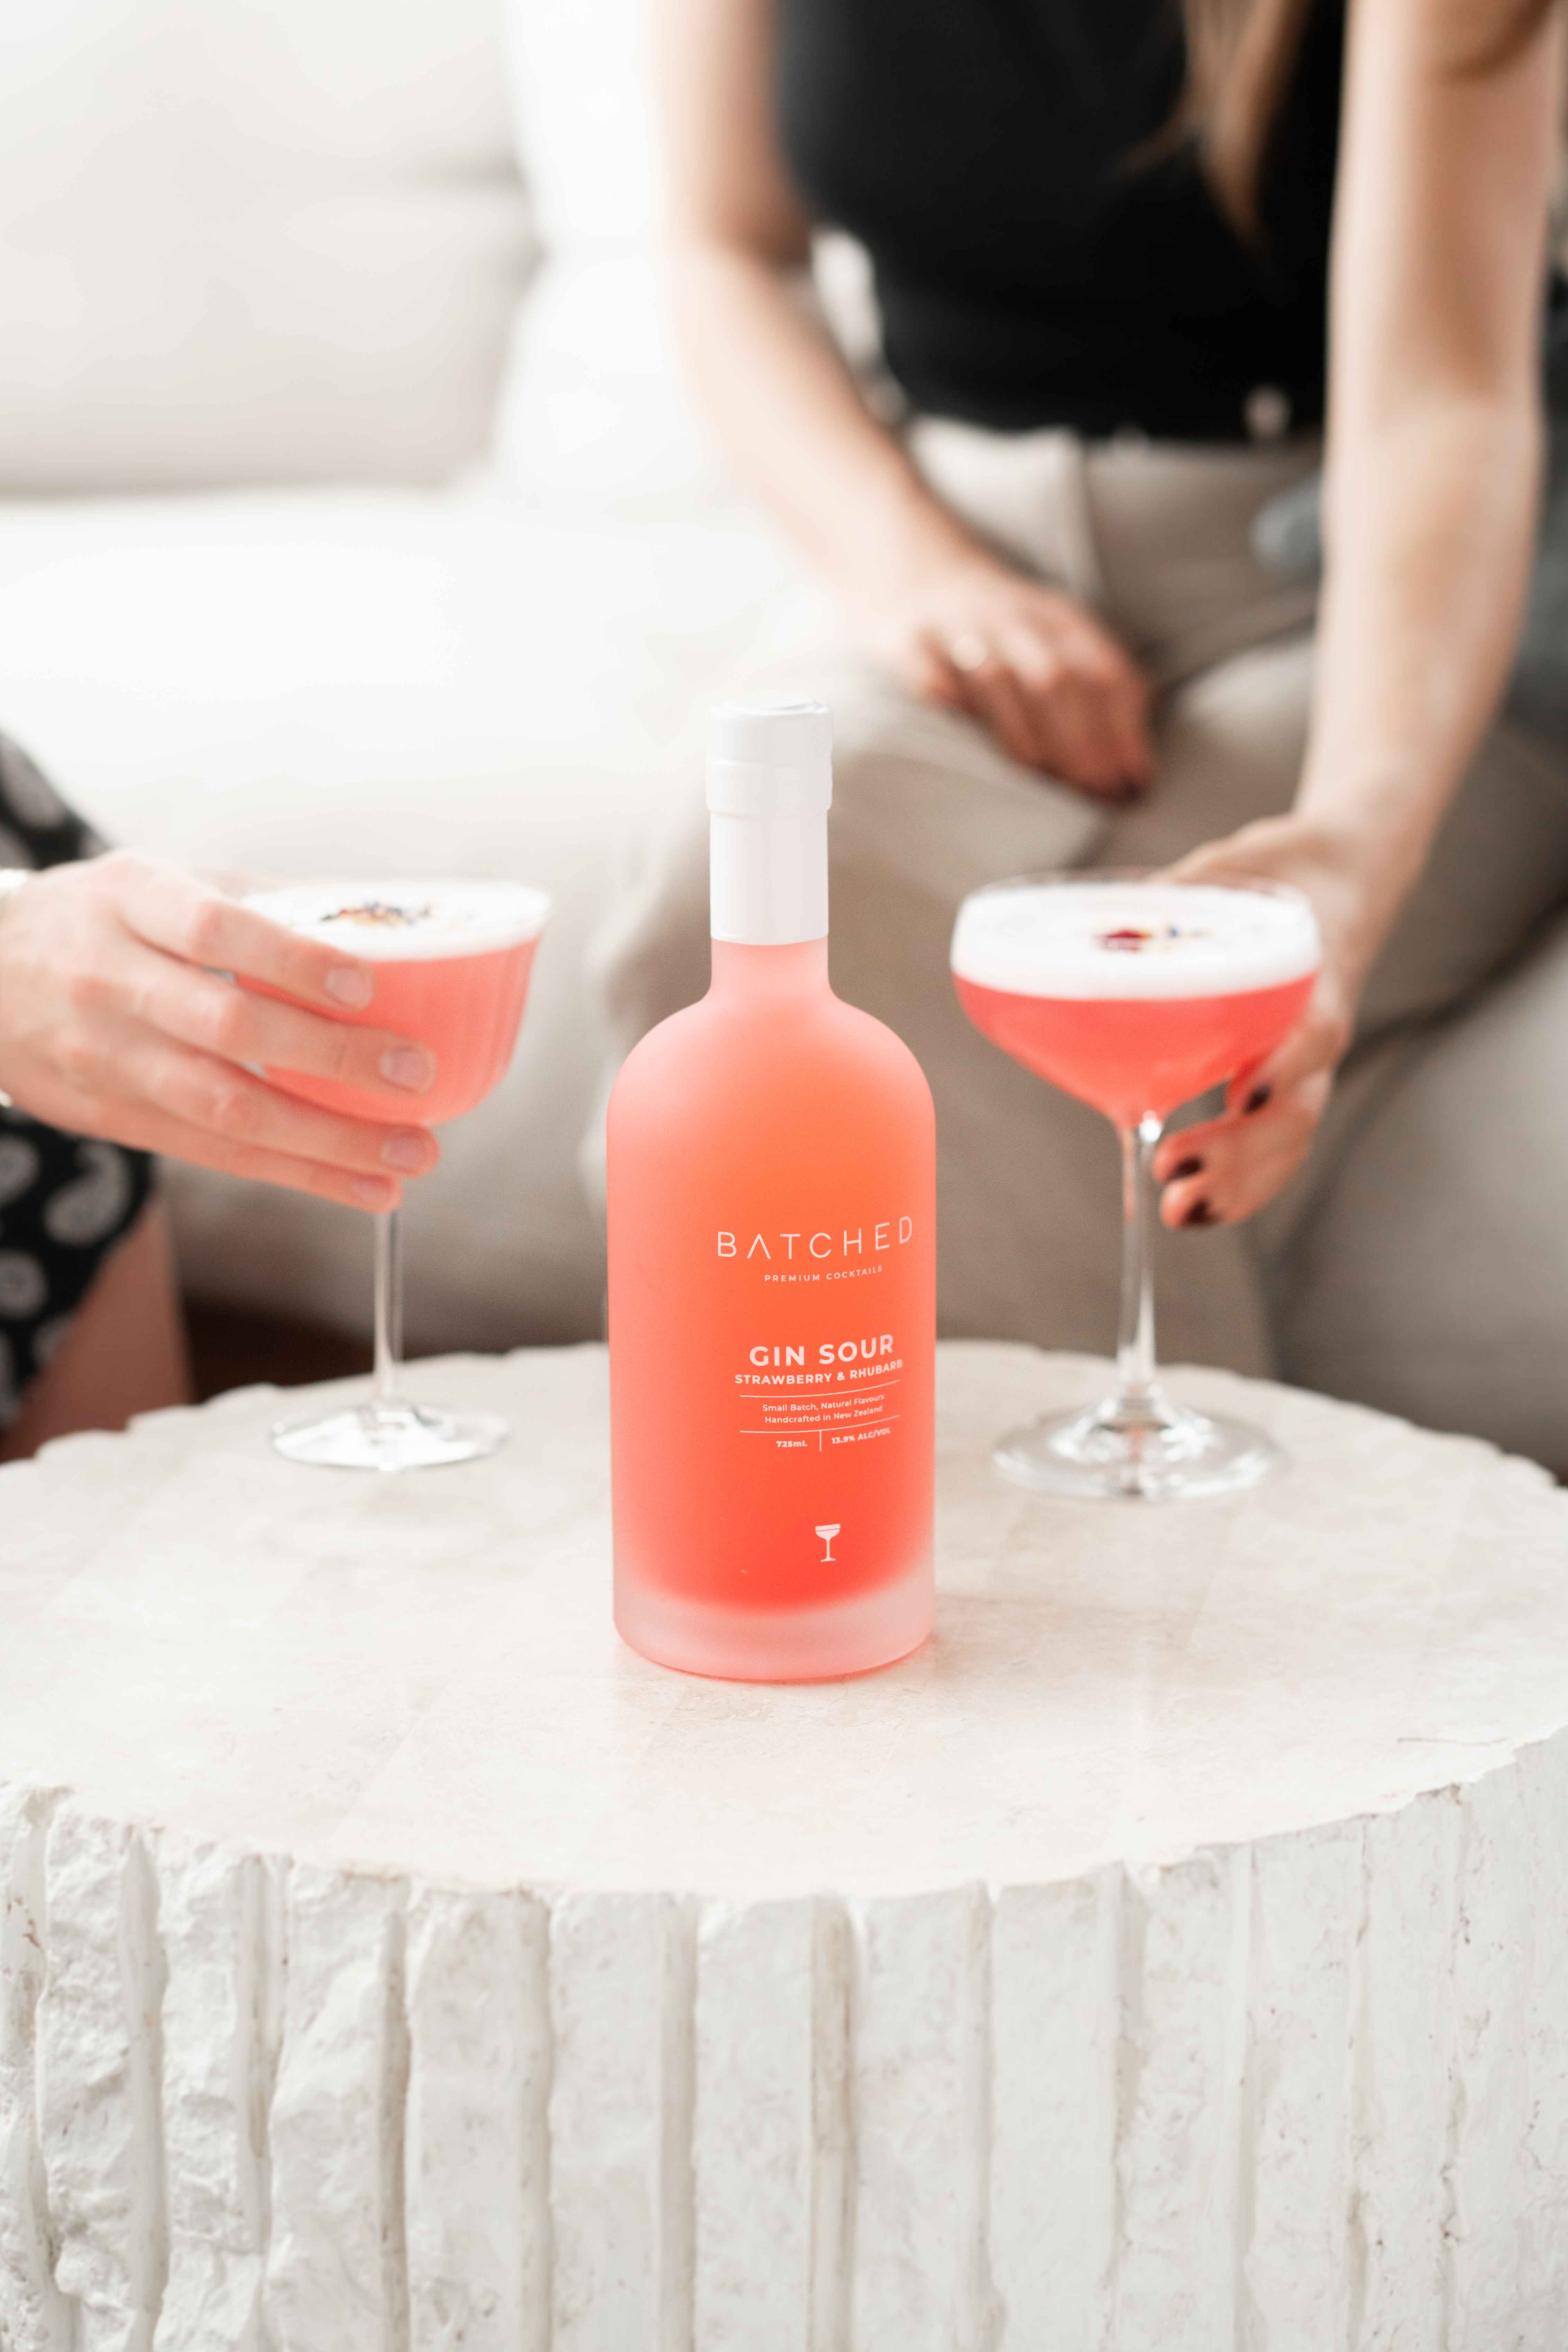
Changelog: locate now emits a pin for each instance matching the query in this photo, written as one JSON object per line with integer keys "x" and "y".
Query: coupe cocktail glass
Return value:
{"x": 1135, "y": 995}
{"x": 452, "y": 961}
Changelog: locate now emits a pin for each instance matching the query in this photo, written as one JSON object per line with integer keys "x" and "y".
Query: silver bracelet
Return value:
{"x": 11, "y": 880}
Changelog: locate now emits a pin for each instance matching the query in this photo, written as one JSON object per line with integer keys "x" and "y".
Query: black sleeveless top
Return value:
{"x": 1029, "y": 273}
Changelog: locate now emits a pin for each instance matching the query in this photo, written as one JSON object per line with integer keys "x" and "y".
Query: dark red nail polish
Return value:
{"x": 1200, "y": 1213}
{"x": 1257, "y": 1098}
{"x": 1189, "y": 1167}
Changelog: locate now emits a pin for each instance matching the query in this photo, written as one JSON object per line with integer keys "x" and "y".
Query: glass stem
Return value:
{"x": 388, "y": 1307}
{"x": 1136, "y": 1383}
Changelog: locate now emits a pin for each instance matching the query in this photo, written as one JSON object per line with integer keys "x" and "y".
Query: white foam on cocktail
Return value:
{"x": 408, "y": 923}
{"x": 1060, "y": 938}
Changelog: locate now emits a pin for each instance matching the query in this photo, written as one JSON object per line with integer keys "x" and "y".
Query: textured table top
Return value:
{"x": 422, "y": 1674}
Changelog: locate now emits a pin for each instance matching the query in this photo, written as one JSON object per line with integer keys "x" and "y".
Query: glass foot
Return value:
{"x": 392, "y": 1437}
{"x": 1155, "y": 1453}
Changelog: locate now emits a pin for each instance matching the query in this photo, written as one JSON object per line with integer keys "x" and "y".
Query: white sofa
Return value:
{"x": 350, "y": 518}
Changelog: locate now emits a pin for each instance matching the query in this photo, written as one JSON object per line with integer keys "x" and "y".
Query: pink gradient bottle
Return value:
{"x": 773, "y": 1271}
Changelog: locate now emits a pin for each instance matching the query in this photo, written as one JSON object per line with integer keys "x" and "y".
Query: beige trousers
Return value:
{"x": 1420, "y": 1261}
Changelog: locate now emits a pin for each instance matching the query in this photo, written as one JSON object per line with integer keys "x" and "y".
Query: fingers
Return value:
{"x": 1317, "y": 1042}
{"x": 930, "y": 675}
{"x": 994, "y": 694}
{"x": 1060, "y": 697}
{"x": 1053, "y": 687}
{"x": 121, "y": 1033}
{"x": 1068, "y": 725}
{"x": 1227, "y": 1169}
{"x": 243, "y": 1112}
{"x": 1094, "y": 704}
{"x": 180, "y": 1140}
{"x": 146, "y": 1126}
{"x": 183, "y": 933}
{"x": 188, "y": 919}
{"x": 133, "y": 1086}
{"x": 259, "y": 1165}
{"x": 195, "y": 1007}
{"x": 1124, "y": 702}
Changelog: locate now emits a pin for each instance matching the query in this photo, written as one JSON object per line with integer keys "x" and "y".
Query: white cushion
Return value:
{"x": 584, "y": 110}
{"x": 596, "y": 415}
{"x": 390, "y": 681}
{"x": 244, "y": 243}
{"x": 594, "y": 412}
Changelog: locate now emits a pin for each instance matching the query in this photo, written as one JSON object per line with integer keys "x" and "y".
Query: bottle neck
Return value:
{"x": 777, "y": 975}
{"x": 768, "y": 878}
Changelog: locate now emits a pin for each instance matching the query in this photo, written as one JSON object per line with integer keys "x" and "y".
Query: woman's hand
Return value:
{"x": 1056, "y": 689}
{"x": 1227, "y": 1169}
{"x": 113, "y": 1022}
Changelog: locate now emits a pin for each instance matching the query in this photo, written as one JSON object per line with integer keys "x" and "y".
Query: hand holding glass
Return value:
{"x": 1135, "y": 995}
{"x": 452, "y": 961}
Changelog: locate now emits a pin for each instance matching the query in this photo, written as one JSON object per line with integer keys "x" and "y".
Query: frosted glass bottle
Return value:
{"x": 772, "y": 1272}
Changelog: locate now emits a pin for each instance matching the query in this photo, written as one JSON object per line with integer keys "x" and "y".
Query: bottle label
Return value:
{"x": 829, "y": 1411}
{"x": 773, "y": 1399}
{"x": 808, "y": 1393}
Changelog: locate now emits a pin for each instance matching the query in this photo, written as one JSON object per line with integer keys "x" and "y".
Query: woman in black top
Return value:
{"x": 1047, "y": 252}
{"x": 1128, "y": 255}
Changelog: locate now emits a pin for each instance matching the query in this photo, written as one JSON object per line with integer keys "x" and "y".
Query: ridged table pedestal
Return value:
{"x": 1174, "y": 1955}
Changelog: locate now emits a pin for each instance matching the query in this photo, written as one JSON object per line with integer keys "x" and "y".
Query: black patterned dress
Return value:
{"x": 66, "y": 1202}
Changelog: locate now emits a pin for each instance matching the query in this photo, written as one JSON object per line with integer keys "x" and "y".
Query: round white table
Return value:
{"x": 1174, "y": 1954}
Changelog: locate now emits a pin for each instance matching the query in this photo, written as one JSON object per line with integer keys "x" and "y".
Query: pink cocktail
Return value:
{"x": 1135, "y": 995}
{"x": 452, "y": 962}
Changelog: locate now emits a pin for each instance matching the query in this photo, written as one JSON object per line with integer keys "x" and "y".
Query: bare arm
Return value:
{"x": 1433, "y": 446}
{"x": 1055, "y": 687}
{"x": 1432, "y": 475}
{"x": 791, "y": 417}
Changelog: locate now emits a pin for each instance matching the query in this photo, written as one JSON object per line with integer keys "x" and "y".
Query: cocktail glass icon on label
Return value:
{"x": 827, "y": 1535}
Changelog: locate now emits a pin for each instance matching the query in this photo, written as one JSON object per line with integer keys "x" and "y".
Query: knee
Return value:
{"x": 923, "y": 797}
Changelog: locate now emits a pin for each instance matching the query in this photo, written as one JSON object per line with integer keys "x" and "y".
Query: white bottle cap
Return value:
{"x": 770, "y": 783}
{"x": 771, "y": 756}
